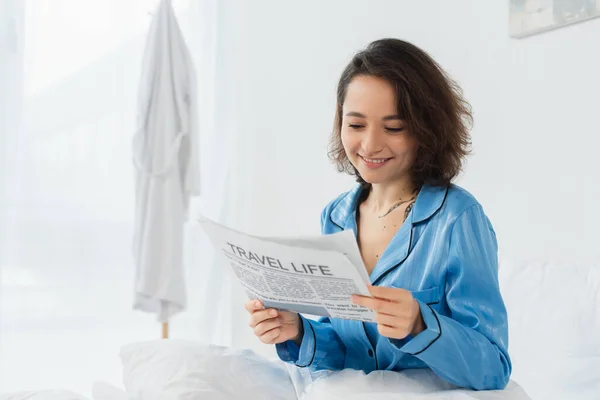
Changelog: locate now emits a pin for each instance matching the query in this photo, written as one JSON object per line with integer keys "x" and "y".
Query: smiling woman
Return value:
{"x": 402, "y": 128}
{"x": 395, "y": 88}
{"x": 377, "y": 136}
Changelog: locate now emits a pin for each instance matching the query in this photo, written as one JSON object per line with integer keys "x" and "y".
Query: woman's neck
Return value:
{"x": 382, "y": 196}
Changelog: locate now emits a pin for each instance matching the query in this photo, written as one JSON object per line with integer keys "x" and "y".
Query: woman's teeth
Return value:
{"x": 375, "y": 160}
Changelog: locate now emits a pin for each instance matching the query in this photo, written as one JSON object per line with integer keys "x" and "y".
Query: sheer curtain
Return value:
{"x": 67, "y": 189}
{"x": 11, "y": 94}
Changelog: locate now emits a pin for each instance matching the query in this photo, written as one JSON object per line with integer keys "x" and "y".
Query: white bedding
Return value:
{"x": 410, "y": 384}
{"x": 106, "y": 391}
{"x": 100, "y": 391}
{"x": 554, "y": 321}
{"x": 554, "y": 326}
{"x": 176, "y": 369}
{"x": 43, "y": 395}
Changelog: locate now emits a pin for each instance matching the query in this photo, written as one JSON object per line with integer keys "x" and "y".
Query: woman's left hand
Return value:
{"x": 397, "y": 312}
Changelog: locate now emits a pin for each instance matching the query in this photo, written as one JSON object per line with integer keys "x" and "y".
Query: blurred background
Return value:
{"x": 267, "y": 72}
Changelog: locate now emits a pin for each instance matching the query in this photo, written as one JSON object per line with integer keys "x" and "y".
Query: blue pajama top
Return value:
{"x": 446, "y": 254}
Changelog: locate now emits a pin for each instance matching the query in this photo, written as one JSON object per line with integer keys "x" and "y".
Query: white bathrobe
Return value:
{"x": 165, "y": 154}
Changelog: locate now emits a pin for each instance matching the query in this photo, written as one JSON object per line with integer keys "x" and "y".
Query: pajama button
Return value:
{"x": 370, "y": 353}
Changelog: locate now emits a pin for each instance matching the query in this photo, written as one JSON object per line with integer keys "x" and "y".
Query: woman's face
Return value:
{"x": 377, "y": 142}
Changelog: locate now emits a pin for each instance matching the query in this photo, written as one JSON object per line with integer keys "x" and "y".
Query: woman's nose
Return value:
{"x": 372, "y": 142}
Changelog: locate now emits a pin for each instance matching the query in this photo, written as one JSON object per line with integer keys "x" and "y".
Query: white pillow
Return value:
{"x": 554, "y": 325}
{"x": 183, "y": 370}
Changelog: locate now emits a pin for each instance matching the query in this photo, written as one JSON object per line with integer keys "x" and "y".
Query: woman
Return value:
{"x": 401, "y": 128}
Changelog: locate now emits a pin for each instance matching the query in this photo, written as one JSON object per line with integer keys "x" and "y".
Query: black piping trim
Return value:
{"x": 429, "y": 217}
{"x": 437, "y": 209}
{"x": 411, "y": 239}
{"x": 433, "y": 303}
{"x": 334, "y": 206}
{"x": 400, "y": 262}
{"x": 333, "y": 222}
{"x": 438, "y": 336}
{"x": 314, "y": 349}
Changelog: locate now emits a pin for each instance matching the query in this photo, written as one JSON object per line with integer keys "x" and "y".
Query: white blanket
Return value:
{"x": 388, "y": 385}
{"x": 176, "y": 369}
{"x": 42, "y": 395}
{"x": 183, "y": 370}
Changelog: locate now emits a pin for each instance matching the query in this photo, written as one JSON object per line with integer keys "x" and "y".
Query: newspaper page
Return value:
{"x": 314, "y": 276}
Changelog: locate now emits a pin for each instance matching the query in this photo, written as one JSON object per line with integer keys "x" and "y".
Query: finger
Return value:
{"x": 388, "y": 293}
{"x": 388, "y": 331}
{"x": 259, "y": 316}
{"x": 393, "y": 333}
{"x": 271, "y": 336}
{"x": 267, "y": 325}
{"x": 390, "y": 320}
{"x": 253, "y": 305}
{"x": 378, "y": 305}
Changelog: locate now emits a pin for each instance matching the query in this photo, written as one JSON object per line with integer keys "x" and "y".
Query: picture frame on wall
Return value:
{"x": 530, "y": 17}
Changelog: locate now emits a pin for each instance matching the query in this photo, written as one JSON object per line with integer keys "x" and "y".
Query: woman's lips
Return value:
{"x": 374, "y": 163}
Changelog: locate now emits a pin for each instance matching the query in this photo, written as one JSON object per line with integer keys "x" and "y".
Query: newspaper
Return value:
{"x": 309, "y": 275}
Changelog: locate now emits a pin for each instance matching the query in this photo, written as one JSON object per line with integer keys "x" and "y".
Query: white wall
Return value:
{"x": 535, "y": 101}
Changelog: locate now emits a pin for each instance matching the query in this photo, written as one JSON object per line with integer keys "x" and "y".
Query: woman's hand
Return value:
{"x": 397, "y": 312}
{"x": 272, "y": 326}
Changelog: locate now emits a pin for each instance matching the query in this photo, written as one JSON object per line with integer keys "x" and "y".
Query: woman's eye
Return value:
{"x": 395, "y": 129}
{"x": 355, "y": 126}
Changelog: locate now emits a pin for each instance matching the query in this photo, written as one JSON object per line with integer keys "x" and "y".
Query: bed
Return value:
{"x": 554, "y": 313}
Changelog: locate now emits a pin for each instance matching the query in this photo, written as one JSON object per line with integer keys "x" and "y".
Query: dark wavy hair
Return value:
{"x": 429, "y": 101}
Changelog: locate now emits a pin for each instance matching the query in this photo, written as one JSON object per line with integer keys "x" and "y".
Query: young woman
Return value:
{"x": 402, "y": 128}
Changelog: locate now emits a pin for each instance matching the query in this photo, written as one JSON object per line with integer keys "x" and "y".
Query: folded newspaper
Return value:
{"x": 310, "y": 275}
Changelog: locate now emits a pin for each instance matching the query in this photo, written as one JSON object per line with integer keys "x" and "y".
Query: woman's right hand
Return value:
{"x": 272, "y": 326}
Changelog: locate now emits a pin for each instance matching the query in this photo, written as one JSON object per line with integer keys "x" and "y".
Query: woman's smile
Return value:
{"x": 374, "y": 162}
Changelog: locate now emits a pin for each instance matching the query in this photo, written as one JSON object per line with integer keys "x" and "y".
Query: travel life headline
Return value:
{"x": 266, "y": 261}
